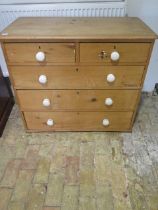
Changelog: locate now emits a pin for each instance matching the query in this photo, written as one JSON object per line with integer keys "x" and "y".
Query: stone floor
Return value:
{"x": 81, "y": 171}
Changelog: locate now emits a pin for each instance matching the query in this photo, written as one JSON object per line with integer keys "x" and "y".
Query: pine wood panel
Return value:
{"x": 24, "y": 53}
{"x": 78, "y": 121}
{"x": 75, "y": 28}
{"x": 81, "y": 77}
{"x": 129, "y": 52}
{"x": 74, "y": 100}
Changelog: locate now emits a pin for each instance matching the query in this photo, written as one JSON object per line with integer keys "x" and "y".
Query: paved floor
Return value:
{"x": 81, "y": 171}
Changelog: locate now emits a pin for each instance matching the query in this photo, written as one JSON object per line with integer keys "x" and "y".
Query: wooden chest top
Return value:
{"x": 85, "y": 29}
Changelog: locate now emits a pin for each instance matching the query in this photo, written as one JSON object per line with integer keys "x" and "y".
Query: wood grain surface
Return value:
{"x": 78, "y": 121}
{"x": 24, "y": 53}
{"x": 74, "y": 100}
{"x": 79, "y": 77}
{"x": 71, "y": 28}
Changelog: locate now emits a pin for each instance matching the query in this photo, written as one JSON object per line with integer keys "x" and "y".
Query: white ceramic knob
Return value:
{"x": 106, "y": 122}
{"x": 42, "y": 79}
{"x": 115, "y": 56}
{"x": 40, "y": 56}
{"x": 46, "y": 102}
{"x": 111, "y": 78}
{"x": 108, "y": 101}
{"x": 50, "y": 122}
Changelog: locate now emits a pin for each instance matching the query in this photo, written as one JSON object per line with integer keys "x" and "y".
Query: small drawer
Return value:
{"x": 39, "y": 53}
{"x": 77, "y": 100}
{"x": 78, "y": 121}
{"x": 114, "y": 53}
{"x": 83, "y": 77}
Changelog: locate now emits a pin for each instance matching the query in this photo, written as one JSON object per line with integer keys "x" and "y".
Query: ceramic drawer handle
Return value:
{"x": 50, "y": 122}
{"x": 42, "y": 79}
{"x": 111, "y": 78}
{"x": 46, "y": 102}
{"x": 108, "y": 101}
{"x": 106, "y": 122}
{"x": 40, "y": 56}
{"x": 115, "y": 56}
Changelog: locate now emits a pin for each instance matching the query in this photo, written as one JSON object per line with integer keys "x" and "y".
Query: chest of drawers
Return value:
{"x": 77, "y": 74}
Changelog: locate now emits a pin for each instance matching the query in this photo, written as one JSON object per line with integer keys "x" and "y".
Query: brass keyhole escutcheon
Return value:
{"x": 103, "y": 54}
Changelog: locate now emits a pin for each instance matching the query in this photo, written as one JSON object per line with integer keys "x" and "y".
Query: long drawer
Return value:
{"x": 39, "y": 53}
{"x": 77, "y": 100}
{"x": 82, "y": 77}
{"x": 105, "y": 52}
{"x": 78, "y": 121}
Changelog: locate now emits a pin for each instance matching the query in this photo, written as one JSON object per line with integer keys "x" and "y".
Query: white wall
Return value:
{"x": 147, "y": 10}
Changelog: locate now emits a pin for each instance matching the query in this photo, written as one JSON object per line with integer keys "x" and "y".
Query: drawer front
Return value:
{"x": 31, "y": 53}
{"x": 77, "y": 100}
{"x": 106, "y": 52}
{"x": 82, "y": 77}
{"x": 78, "y": 121}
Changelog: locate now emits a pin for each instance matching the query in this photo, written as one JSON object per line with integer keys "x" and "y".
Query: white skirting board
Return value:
{"x": 8, "y": 13}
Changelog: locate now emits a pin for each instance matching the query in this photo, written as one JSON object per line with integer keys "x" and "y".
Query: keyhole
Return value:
{"x": 93, "y": 99}
{"x": 77, "y": 69}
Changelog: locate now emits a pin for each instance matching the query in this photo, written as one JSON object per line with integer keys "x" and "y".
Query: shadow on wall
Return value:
{"x": 148, "y": 12}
